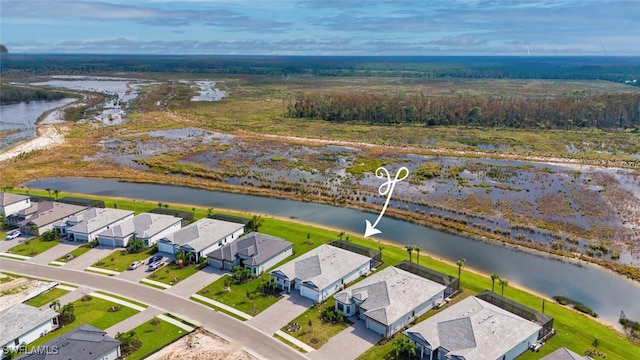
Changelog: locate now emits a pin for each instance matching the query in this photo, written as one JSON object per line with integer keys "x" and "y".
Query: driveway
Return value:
{"x": 8, "y": 244}
{"x": 55, "y": 252}
{"x": 195, "y": 282}
{"x": 349, "y": 343}
{"x": 90, "y": 257}
{"x": 133, "y": 321}
{"x": 281, "y": 313}
{"x": 256, "y": 342}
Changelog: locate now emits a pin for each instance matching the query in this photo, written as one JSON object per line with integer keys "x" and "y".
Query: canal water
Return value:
{"x": 602, "y": 290}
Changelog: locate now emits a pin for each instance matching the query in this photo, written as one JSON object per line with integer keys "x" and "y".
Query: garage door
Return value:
{"x": 119, "y": 242}
{"x": 164, "y": 247}
{"x": 107, "y": 241}
{"x": 376, "y": 327}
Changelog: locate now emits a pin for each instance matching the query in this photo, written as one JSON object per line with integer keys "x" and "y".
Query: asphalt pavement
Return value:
{"x": 254, "y": 341}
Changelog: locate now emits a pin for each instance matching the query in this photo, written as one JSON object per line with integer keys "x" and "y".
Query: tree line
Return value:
{"x": 14, "y": 95}
{"x": 605, "y": 111}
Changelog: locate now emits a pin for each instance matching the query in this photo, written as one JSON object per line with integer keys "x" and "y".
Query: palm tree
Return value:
{"x": 417, "y": 248}
{"x": 180, "y": 255}
{"x": 255, "y": 222}
{"x": 56, "y": 192}
{"x": 494, "y": 277}
{"x": 340, "y": 235}
{"x": 68, "y": 309}
{"x": 460, "y": 264}
{"x": 410, "y": 251}
{"x": 55, "y": 305}
{"x": 503, "y": 283}
{"x": 380, "y": 248}
{"x": 209, "y": 211}
{"x": 49, "y": 191}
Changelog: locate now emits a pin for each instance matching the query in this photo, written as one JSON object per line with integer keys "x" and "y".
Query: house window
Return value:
{"x": 340, "y": 307}
{"x": 348, "y": 309}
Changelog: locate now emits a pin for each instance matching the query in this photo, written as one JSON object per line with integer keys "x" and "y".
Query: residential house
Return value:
{"x": 12, "y": 203}
{"x": 84, "y": 342}
{"x": 321, "y": 272}
{"x": 565, "y": 354}
{"x": 255, "y": 251}
{"x": 147, "y": 227}
{"x": 201, "y": 237}
{"x": 475, "y": 329}
{"x": 389, "y": 300}
{"x": 23, "y": 324}
{"x": 87, "y": 225}
{"x": 41, "y": 217}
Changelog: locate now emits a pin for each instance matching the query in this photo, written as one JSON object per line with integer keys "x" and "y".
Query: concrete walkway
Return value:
{"x": 55, "y": 252}
{"x": 177, "y": 323}
{"x": 223, "y": 306}
{"x": 118, "y": 301}
{"x": 133, "y": 321}
{"x": 197, "y": 281}
{"x": 15, "y": 256}
{"x": 89, "y": 258}
{"x": 281, "y": 313}
{"x": 156, "y": 283}
{"x": 349, "y": 343}
{"x": 102, "y": 271}
{"x": 297, "y": 342}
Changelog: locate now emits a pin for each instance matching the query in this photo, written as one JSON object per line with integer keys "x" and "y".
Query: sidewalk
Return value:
{"x": 156, "y": 283}
{"x": 133, "y": 321}
{"x": 118, "y": 301}
{"x": 177, "y": 323}
{"x": 297, "y": 342}
{"x": 222, "y": 306}
{"x": 90, "y": 257}
{"x": 196, "y": 281}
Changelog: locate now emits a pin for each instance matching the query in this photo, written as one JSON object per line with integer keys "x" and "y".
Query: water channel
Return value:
{"x": 598, "y": 288}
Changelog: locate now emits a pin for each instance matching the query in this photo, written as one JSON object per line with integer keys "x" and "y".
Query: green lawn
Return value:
{"x": 33, "y": 247}
{"x": 120, "y": 260}
{"x": 237, "y": 296}
{"x": 94, "y": 312}
{"x": 47, "y": 298}
{"x": 312, "y": 330}
{"x": 76, "y": 252}
{"x": 155, "y": 337}
{"x": 172, "y": 274}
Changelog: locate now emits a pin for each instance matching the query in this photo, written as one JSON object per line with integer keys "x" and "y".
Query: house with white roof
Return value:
{"x": 321, "y": 272}
{"x": 41, "y": 217}
{"x": 147, "y": 227}
{"x": 201, "y": 237}
{"x": 254, "y": 251}
{"x": 23, "y": 323}
{"x": 87, "y": 225}
{"x": 389, "y": 300}
{"x": 12, "y": 203}
{"x": 475, "y": 329}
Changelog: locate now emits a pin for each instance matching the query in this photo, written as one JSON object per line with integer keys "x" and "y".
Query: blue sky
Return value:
{"x": 323, "y": 27}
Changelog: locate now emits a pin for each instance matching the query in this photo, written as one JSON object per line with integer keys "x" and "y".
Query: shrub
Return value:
{"x": 86, "y": 298}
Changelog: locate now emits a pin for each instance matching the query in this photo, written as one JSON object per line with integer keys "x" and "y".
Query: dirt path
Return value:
{"x": 47, "y": 136}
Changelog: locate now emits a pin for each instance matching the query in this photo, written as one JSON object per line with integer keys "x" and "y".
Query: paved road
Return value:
{"x": 254, "y": 341}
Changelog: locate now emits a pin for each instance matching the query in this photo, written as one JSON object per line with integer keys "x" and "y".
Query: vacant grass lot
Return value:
{"x": 33, "y": 247}
{"x": 77, "y": 252}
{"x": 155, "y": 337}
{"x": 95, "y": 313}
{"x": 120, "y": 260}
{"x": 47, "y": 298}
{"x": 172, "y": 274}
{"x": 245, "y": 297}
{"x": 575, "y": 331}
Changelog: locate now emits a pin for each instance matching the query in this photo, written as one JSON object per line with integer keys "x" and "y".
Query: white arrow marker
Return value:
{"x": 385, "y": 189}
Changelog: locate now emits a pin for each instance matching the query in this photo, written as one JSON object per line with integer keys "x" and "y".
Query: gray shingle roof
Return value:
{"x": 203, "y": 233}
{"x": 96, "y": 218}
{"x": 495, "y": 331}
{"x": 564, "y": 354}
{"x": 322, "y": 266}
{"x": 84, "y": 342}
{"x": 257, "y": 246}
{"x": 19, "y": 319}
{"x": 391, "y": 294}
{"x": 144, "y": 225}
{"x": 10, "y": 198}
{"x": 47, "y": 212}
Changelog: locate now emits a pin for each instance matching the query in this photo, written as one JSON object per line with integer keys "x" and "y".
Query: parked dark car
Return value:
{"x": 155, "y": 258}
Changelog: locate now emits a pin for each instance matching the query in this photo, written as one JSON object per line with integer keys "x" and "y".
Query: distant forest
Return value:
{"x": 607, "y": 111}
{"x": 14, "y": 95}
{"x": 618, "y": 69}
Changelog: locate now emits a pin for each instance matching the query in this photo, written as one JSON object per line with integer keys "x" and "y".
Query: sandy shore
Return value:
{"x": 47, "y": 136}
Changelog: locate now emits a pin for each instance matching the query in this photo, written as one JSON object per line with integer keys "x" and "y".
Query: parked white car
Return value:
{"x": 14, "y": 234}
{"x": 136, "y": 264}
